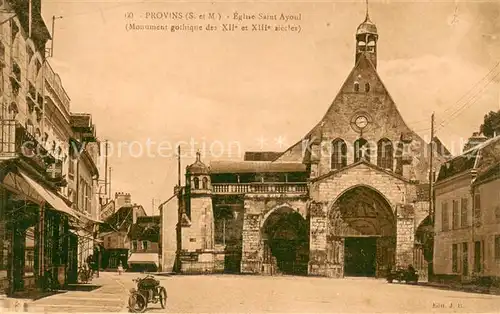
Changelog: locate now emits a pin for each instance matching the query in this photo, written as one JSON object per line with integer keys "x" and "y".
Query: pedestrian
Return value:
{"x": 120, "y": 268}
{"x": 90, "y": 264}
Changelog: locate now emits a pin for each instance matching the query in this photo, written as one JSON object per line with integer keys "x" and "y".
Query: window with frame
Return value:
{"x": 477, "y": 207}
{"x": 361, "y": 150}
{"x": 385, "y": 154}
{"x": 445, "y": 224}
{"x": 454, "y": 258}
{"x": 134, "y": 245}
{"x": 339, "y": 154}
{"x": 464, "y": 212}
{"x": 144, "y": 245}
{"x": 456, "y": 215}
{"x": 196, "y": 182}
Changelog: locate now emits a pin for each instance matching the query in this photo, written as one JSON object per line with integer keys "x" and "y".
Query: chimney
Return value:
{"x": 134, "y": 215}
{"x": 122, "y": 199}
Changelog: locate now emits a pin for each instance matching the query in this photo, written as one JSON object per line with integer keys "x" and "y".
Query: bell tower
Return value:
{"x": 366, "y": 39}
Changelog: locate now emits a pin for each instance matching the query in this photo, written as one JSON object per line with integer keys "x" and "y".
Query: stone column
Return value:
{"x": 251, "y": 255}
{"x": 317, "y": 239}
{"x": 405, "y": 235}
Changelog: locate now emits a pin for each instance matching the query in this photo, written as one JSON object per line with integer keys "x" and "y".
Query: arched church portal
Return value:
{"x": 362, "y": 233}
{"x": 286, "y": 243}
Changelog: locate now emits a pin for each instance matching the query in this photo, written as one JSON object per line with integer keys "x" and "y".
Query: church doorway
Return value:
{"x": 364, "y": 220}
{"x": 286, "y": 243}
{"x": 360, "y": 257}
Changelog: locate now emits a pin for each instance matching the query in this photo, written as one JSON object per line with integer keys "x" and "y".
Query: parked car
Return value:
{"x": 400, "y": 274}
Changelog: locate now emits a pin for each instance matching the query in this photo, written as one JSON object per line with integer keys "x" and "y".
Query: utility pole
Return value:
{"x": 106, "y": 168}
{"x": 431, "y": 173}
{"x": 179, "y": 165}
{"x": 54, "y": 18}
{"x": 109, "y": 182}
{"x": 178, "y": 231}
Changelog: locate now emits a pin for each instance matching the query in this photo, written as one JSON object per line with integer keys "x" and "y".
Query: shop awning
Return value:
{"x": 143, "y": 258}
{"x": 55, "y": 201}
{"x": 85, "y": 235}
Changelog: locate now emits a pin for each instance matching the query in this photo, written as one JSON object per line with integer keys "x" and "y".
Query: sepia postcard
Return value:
{"x": 335, "y": 156}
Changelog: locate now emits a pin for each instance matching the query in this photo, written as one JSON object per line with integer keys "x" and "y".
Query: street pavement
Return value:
{"x": 259, "y": 294}
{"x": 109, "y": 295}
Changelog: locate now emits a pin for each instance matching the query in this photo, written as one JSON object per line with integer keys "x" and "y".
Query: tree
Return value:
{"x": 491, "y": 124}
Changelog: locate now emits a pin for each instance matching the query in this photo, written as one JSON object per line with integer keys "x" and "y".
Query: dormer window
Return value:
{"x": 356, "y": 87}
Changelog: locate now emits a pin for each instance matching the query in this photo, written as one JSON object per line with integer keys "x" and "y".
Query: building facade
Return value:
{"x": 36, "y": 218}
{"x": 349, "y": 198}
{"x": 467, "y": 226}
{"x": 144, "y": 238}
{"x": 114, "y": 232}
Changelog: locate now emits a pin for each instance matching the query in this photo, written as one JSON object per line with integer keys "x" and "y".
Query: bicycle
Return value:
{"x": 49, "y": 284}
{"x": 84, "y": 274}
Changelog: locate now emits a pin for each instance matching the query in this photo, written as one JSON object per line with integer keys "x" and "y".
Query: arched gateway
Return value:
{"x": 362, "y": 232}
{"x": 285, "y": 236}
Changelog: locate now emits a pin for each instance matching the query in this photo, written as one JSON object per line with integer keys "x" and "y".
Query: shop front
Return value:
{"x": 34, "y": 232}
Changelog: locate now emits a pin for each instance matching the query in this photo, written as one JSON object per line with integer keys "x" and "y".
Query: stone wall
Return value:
{"x": 405, "y": 235}
{"x": 318, "y": 262}
{"x": 328, "y": 189}
{"x": 251, "y": 247}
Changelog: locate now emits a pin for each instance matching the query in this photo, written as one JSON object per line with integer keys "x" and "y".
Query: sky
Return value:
{"x": 252, "y": 91}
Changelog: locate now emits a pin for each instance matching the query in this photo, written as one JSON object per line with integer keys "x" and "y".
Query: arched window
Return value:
{"x": 367, "y": 87}
{"x": 204, "y": 183}
{"x": 361, "y": 150}
{"x": 339, "y": 154}
{"x": 385, "y": 154}
{"x": 196, "y": 182}
{"x": 356, "y": 86}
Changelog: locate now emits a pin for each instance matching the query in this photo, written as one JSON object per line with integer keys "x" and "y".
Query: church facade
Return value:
{"x": 351, "y": 198}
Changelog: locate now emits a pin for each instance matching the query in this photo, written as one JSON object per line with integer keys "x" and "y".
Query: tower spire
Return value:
{"x": 367, "y": 17}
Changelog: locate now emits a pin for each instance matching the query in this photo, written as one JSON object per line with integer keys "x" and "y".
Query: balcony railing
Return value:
{"x": 55, "y": 84}
{"x": 260, "y": 188}
{"x": 16, "y": 141}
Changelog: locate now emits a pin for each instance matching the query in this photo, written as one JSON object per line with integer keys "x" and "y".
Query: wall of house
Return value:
{"x": 116, "y": 240}
{"x": 200, "y": 234}
{"x": 168, "y": 235}
{"x": 489, "y": 228}
{"x": 455, "y": 189}
{"x": 151, "y": 247}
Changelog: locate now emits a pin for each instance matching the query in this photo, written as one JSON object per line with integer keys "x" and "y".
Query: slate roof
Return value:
{"x": 255, "y": 167}
{"x": 481, "y": 156}
{"x": 261, "y": 156}
{"x": 491, "y": 173}
{"x": 146, "y": 228}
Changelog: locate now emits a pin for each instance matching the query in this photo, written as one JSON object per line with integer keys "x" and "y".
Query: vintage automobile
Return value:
{"x": 400, "y": 274}
{"x": 148, "y": 290}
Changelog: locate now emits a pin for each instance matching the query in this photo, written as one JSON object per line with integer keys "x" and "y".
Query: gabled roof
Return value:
{"x": 441, "y": 148}
{"x": 480, "y": 157}
{"x": 361, "y": 162}
{"x": 324, "y": 119}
